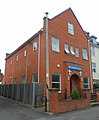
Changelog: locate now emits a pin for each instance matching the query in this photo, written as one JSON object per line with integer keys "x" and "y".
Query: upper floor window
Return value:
{"x": 11, "y": 61}
{"x": 84, "y": 53}
{"x": 77, "y": 52}
{"x": 17, "y": 57}
{"x": 94, "y": 41}
{"x": 66, "y": 48}
{"x": 94, "y": 67}
{"x": 34, "y": 46}
{"x": 72, "y": 50}
{"x": 92, "y": 51}
{"x": 24, "y": 53}
{"x": 55, "y": 44}
{"x": 70, "y": 28}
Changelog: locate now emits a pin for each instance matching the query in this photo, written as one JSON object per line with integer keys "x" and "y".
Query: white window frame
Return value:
{"x": 15, "y": 80}
{"x": 70, "y": 28}
{"x": 84, "y": 54}
{"x": 72, "y": 50}
{"x": 66, "y": 48}
{"x": 33, "y": 78}
{"x": 11, "y": 61}
{"x": 59, "y": 82}
{"x": 34, "y": 46}
{"x": 24, "y": 53}
{"x": 94, "y": 41}
{"x": 86, "y": 83}
{"x": 77, "y": 52}
{"x": 55, "y": 44}
{"x": 93, "y": 67}
{"x": 23, "y": 79}
{"x": 93, "y": 51}
{"x": 17, "y": 57}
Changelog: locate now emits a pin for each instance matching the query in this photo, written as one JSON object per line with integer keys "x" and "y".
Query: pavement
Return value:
{"x": 11, "y": 110}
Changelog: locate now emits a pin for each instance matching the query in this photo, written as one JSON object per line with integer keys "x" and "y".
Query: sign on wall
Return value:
{"x": 74, "y": 68}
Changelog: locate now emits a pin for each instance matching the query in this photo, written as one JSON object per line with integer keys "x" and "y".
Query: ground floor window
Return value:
{"x": 23, "y": 79}
{"x": 15, "y": 80}
{"x": 34, "y": 78}
{"x": 56, "y": 80}
{"x": 86, "y": 82}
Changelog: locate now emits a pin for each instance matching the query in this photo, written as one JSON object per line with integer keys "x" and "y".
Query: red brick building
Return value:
{"x": 69, "y": 58}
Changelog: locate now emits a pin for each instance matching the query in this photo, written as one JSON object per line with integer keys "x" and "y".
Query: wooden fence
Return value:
{"x": 22, "y": 92}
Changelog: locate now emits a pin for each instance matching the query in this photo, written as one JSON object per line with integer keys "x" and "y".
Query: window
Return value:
{"x": 56, "y": 81}
{"x": 34, "y": 78}
{"x": 16, "y": 57}
{"x": 24, "y": 53}
{"x": 72, "y": 50}
{"x": 92, "y": 51}
{"x": 94, "y": 41}
{"x": 23, "y": 79}
{"x": 86, "y": 83}
{"x": 66, "y": 48}
{"x": 55, "y": 44}
{"x": 34, "y": 46}
{"x": 71, "y": 28}
{"x": 15, "y": 80}
{"x": 94, "y": 67}
{"x": 77, "y": 52}
{"x": 84, "y": 52}
{"x": 11, "y": 61}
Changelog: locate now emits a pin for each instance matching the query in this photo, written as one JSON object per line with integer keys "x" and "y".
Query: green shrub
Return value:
{"x": 96, "y": 86}
{"x": 74, "y": 94}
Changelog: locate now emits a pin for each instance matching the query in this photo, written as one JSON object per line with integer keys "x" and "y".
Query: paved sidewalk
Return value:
{"x": 11, "y": 110}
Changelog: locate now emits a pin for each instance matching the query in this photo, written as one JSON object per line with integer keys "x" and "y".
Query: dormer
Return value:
{"x": 93, "y": 39}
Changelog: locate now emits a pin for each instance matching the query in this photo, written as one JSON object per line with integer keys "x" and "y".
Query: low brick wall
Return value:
{"x": 57, "y": 106}
{"x": 97, "y": 98}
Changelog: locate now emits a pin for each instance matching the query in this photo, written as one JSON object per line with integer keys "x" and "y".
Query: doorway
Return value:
{"x": 74, "y": 82}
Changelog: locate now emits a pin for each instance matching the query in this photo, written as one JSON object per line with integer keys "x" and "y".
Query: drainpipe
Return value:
{"x": 39, "y": 59}
{"x": 12, "y": 72}
{"x": 26, "y": 67}
{"x": 91, "y": 80}
{"x": 47, "y": 63}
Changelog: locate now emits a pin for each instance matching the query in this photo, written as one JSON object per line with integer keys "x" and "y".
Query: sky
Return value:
{"x": 21, "y": 19}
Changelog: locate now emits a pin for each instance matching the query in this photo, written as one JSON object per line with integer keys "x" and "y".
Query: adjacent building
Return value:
{"x": 1, "y": 77}
{"x": 95, "y": 58}
{"x": 68, "y": 58}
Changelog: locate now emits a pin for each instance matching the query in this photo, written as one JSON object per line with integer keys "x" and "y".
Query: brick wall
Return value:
{"x": 57, "y": 106}
{"x": 97, "y": 98}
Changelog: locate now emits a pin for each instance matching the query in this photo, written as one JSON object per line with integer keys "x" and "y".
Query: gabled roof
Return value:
{"x": 25, "y": 43}
{"x": 40, "y": 31}
{"x": 69, "y": 9}
{"x": 61, "y": 13}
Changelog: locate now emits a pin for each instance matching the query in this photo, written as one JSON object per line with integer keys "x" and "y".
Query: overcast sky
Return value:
{"x": 20, "y": 19}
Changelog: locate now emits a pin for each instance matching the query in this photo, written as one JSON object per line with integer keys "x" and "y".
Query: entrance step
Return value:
{"x": 92, "y": 101}
{"x": 93, "y": 104}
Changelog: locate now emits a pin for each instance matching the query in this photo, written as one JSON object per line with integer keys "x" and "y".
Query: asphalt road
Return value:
{"x": 10, "y": 110}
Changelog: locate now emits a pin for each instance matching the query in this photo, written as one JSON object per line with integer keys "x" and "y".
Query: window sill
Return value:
{"x": 55, "y": 51}
{"x": 85, "y": 59}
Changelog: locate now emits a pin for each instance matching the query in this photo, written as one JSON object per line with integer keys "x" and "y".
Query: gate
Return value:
{"x": 41, "y": 101}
